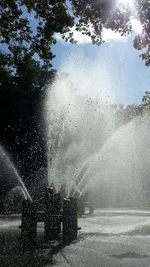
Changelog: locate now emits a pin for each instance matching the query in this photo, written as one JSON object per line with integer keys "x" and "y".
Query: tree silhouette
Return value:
{"x": 28, "y": 30}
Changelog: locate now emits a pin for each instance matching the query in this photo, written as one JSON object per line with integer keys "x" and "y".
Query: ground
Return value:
{"x": 117, "y": 238}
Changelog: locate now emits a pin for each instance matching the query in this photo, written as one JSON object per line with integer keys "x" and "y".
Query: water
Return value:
{"x": 118, "y": 175}
{"x": 76, "y": 129}
{"x": 87, "y": 153}
{"x": 10, "y": 181}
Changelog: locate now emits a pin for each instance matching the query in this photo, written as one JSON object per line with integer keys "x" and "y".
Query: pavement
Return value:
{"x": 114, "y": 238}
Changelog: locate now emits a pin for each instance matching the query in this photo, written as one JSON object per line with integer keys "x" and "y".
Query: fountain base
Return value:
{"x": 59, "y": 217}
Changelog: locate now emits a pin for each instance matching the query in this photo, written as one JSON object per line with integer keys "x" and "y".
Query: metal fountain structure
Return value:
{"x": 59, "y": 217}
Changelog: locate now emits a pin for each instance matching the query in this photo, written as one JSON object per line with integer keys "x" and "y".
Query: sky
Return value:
{"x": 112, "y": 71}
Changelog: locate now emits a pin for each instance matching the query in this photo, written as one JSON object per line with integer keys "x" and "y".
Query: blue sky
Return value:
{"x": 112, "y": 71}
{"x": 119, "y": 72}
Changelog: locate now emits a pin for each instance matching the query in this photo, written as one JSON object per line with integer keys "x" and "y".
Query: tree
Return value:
{"x": 27, "y": 34}
{"x": 28, "y": 29}
{"x": 146, "y": 99}
{"x": 94, "y": 15}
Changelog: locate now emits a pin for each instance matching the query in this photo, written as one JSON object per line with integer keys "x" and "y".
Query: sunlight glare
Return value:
{"x": 126, "y": 3}
{"x": 136, "y": 25}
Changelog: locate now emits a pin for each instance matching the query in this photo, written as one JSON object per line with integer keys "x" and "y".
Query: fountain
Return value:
{"x": 120, "y": 170}
{"x": 74, "y": 132}
{"x": 87, "y": 153}
{"x": 59, "y": 217}
{"x": 11, "y": 185}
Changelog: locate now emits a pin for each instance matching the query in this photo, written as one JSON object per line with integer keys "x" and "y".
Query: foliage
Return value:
{"x": 27, "y": 34}
{"x": 29, "y": 27}
{"x": 94, "y": 15}
{"x": 146, "y": 99}
{"x": 143, "y": 40}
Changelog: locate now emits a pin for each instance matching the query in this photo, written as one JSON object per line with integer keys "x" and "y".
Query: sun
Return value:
{"x": 135, "y": 22}
{"x": 136, "y": 25}
{"x": 126, "y": 3}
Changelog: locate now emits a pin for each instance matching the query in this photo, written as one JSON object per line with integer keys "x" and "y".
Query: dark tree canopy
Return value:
{"x": 28, "y": 30}
{"x": 27, "y": 34}
{"x": 146, "y": 99}
{"x": 116, "y": 15}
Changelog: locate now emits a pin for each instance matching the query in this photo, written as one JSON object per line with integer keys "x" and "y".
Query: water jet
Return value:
{"x": 11, "y": 184}
{"x": 111, "y": 163}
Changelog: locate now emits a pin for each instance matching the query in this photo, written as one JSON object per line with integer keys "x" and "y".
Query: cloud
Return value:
{"x": 78, "y": 36}
{"x": 108, "y": 36}
{"x": 136, "y": 25}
